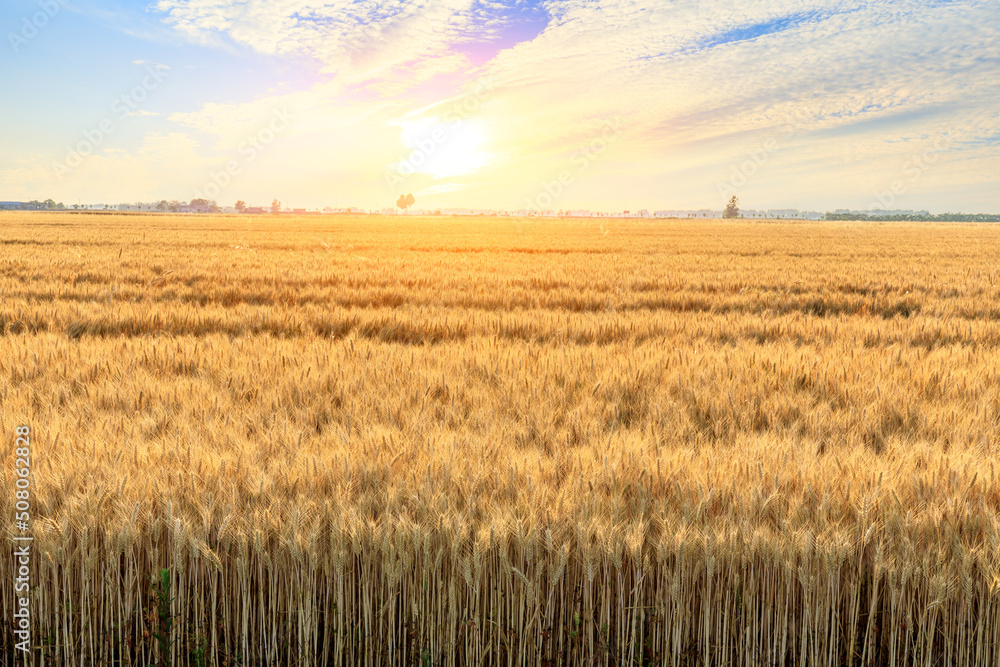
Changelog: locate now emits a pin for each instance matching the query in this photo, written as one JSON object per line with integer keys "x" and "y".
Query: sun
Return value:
{"x": 443, "y": 148}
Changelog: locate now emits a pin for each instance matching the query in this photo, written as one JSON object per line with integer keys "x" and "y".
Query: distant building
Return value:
{"x": 880, "y": 212}
{"x": 20, "y": 206}
{"x": 255, "y": 210}
{"x": 780, "y": 214}
{"x": 683, "y": 214}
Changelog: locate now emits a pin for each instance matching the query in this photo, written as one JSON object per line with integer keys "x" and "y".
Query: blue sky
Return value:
{"x": 819, "y": 105}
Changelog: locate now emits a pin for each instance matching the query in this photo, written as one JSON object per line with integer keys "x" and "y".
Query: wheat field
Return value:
{"x": 495, "y": 441}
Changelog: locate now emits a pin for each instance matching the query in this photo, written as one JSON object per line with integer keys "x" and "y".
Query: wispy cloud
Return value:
{"x": 694, "y": 84}
{"x": 357, "y": 40}
{"x": 150, "y": 63}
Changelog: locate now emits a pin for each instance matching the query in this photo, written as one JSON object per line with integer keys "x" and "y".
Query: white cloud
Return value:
{"x": 153, "y": 64}
{"x": 701, "y": 83}
{"x": 357, "y": 40}
{"x": 851, "y": 88}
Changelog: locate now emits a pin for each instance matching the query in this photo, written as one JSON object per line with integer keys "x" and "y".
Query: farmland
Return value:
{"x": 497, "y": 441}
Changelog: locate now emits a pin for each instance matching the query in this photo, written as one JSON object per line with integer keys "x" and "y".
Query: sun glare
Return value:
{"x": 443, "y": 149}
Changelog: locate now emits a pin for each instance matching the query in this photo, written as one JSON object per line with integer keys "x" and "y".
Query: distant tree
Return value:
{"x": 163, "y": 205}
{"x": 208, "y": 203}
{"x": 275, "y": 206}
{"x": 405, "y": 201}
{"x": 915, "y": 217}
{"x": 732, "y": 208}
{"x": 241, "y": 206}
{"x": 49, "y": 203}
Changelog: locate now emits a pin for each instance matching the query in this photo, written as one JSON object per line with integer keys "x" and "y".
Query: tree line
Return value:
{"x": 906, "y": 217}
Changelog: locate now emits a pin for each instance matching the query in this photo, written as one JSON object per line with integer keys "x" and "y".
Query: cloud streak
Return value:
{"x": 695, "y": 86}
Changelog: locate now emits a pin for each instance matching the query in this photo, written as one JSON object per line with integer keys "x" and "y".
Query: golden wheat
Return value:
{"x": 445, "y": 441}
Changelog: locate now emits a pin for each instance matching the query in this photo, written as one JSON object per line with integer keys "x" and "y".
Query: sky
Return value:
{"x": 560, "y": 104}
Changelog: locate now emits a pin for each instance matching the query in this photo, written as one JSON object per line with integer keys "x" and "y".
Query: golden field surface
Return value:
{"x": 494, "y": 441}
